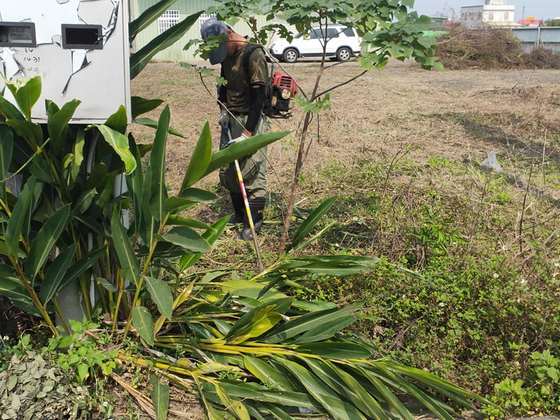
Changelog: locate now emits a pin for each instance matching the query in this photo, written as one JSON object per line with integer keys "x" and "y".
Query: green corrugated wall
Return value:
{"x": 186, "y": 8}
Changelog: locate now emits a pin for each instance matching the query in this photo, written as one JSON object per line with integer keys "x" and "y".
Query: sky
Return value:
{"x": 543, "y": 9}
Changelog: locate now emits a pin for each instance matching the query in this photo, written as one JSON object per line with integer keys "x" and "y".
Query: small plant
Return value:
{"x": 538, "y": 395}
{"x": 80, "y": 353}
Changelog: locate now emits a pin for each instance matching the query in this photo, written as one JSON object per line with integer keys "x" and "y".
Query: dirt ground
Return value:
{"x": 458, "y": 115}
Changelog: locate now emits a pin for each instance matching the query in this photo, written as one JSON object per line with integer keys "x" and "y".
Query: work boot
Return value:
{"x": 238, "y": 208}
{"x": 257, "y": 209}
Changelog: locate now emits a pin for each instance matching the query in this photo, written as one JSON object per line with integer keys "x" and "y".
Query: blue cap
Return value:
{"x": 214, "y": 28}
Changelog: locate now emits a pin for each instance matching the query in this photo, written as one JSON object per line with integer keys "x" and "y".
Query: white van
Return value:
{"x": 342, "y": 43}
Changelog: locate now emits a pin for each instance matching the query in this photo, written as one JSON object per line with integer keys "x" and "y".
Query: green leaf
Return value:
{"x": 82, "y": 266}
{"x": 11, "y": 287}
{"x": 333, "y": 265}
{"x": 56, "y": 272}
{"x": 46, "y": 238}
{"x": 242, "y": 149}
{"x": 140, "y": 59}
{"x": 148, "y": 16}
{"x": 144, "y": 324}
{"x": 186, "y": 221}
{"x": 211, "y": 236}
{"x": 58, "y": 123}
{"x": 27, "y": 95}
{"x": 186, "y": 238}
{"x": 311, "y": 221}
{"x": 28, "y": 130}
{"x": 196, "y": 195}
{"x": 255, "y": 323}
{"x": 148, "y": 122}
{"x": 78, "y": 155}
{"x": 142, "y": 106}
{"x": 125, "y": 254}
{"x": 157, "y": 166}
{"x": 200, "y": 159}
{"x": 118, "y": 121}
{"x": 83, "y": 372}
{"x": 335, "y": 406}
{"x": 337, "y": 350}
{"x": 267, "y": 374}
{"x": 248, "y": 391}
{"x": 9, "y": 111}
{"x": 119, "y": 143}
{"x": 19, "y": 222}
{"x": 388, "y": 395}
{"x": 6, "y": 152}
{"x": 237, "y": 408}
{"x": 161, "y": 296}
{"x": 160, "y": 398}
{"x": 312, "y": 322}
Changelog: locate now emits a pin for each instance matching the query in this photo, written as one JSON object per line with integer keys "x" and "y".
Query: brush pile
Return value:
{"x": 490, "y": 48}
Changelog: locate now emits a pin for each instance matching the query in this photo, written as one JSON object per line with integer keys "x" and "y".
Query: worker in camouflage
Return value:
{"x": 242, "y": 99}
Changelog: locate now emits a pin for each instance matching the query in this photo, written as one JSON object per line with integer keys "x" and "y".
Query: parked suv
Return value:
{"x": 342, "y": 44}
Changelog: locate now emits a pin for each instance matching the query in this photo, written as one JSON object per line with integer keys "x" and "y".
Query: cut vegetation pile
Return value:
{"x": 490, "y": 49}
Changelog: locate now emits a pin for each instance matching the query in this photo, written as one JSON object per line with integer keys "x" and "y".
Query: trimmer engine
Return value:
{"x": 283, "y": 89}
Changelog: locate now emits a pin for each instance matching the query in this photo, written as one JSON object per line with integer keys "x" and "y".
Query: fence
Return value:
{"x": 531, "y": 38}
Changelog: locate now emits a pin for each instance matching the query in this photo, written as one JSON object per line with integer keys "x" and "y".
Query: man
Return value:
{"x": 242, "y": 100}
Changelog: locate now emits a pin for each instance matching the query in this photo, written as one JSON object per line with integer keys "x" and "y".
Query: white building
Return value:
{"x": 492, "y": 12}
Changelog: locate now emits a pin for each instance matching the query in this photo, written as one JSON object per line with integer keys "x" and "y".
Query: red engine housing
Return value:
{"x": 284, "y": 81}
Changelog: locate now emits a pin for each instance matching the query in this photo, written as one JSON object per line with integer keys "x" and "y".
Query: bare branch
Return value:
{"x": 341, "y": 84}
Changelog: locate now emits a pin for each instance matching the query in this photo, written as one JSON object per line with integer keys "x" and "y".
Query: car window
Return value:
{"x": 349, "y": 32}
{"x": 331, "y": 33}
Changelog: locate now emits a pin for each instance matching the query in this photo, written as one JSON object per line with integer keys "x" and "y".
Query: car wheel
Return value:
{"x": 344, "y": 54}
{"x": 291, "y": 55}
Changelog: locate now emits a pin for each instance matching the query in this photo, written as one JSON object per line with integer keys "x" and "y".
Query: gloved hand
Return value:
{"x": 224, "y": 118}
{"x": 236, "y": 140}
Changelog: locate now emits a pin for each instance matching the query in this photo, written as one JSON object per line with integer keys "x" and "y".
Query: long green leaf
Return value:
{"x": 309, "y": 322}
{"x": 388, "y": 395}
{"x": 255, "y": 392}
{"x": 311, "y": 221}
{"x": 82, "y": 267}
{"x": 255, "y": 323}
{"x": 186, "y": 238}
{"x": 6, "y": 152}
{"x": 157, "y": 165}
{"x": 337, "y": 350}
{"x": 148, "y": 16}
{"x": 242, "y": 149}
{"x": 56, "y": 273}
{"x": 334, "y": 405}
{"x": 144, "y": 324}
{"x": 237, "y": 408}
{"x": 142, "y": 106}
{"x": 148, "y": 122}
{"x": 11, "y": 287}
{"x": 119, "y": 143}
{"x": 200, "y": 159}
{"x": 267, "y": 374}
{"x": 140, "y": 59}
{"x": 366, "y": 402}
{"x": 160, "y": 398}
{"x": 332, "y": 265}
{"x": 211, "y": 236}
{"x": 58, "y": 123}
{"x": 161, "y": 296}
{"x": 46, "y": 238}
{"x": 125, "y": 254}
